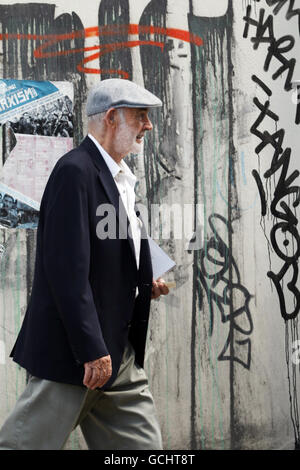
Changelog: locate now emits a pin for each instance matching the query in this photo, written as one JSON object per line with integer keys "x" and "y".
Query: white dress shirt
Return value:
{"x": 125, "y": 181}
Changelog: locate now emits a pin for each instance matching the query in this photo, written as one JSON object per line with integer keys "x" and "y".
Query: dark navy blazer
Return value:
{"x": 83, "y": 303}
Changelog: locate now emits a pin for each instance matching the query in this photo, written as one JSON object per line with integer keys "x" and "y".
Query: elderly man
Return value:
{"x": 83, "y": 337}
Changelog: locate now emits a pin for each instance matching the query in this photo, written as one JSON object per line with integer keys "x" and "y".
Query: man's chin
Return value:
{"x": 137, "y": 148}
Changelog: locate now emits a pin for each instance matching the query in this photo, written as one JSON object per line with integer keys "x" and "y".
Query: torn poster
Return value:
{"x": 36, "y": 120}
{"x": 40, "y": 108}
{"x": 31, "y": 161}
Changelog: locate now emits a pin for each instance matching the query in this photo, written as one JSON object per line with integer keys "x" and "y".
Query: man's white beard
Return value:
{"x": 126, "y": 140}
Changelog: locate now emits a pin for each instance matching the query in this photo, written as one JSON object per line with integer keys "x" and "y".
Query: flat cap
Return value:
{"x": 119, "y": 93}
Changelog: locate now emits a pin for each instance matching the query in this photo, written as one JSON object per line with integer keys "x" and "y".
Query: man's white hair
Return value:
{"x": 98, "y": 119}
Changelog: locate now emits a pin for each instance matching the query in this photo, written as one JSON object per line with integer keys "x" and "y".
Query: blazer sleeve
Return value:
{"x": 66, "y": 248}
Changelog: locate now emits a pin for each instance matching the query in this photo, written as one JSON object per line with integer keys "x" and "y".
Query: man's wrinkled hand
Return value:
{"x": 159, "y": 288}
{"x": 97, "y": 373}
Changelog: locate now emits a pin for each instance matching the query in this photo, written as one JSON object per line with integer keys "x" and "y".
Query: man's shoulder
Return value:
{"x": 75, "y": 162}
{"x": 72, "y": 169}
{"x": 77, "y": 158}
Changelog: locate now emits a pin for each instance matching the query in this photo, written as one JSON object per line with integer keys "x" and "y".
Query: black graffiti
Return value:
{"x": 287, "y": 226}
{"x": 278, "y": 48}
{"x": 262, "y": 193}
{"x": 114, "y": 12}
{"x": 262, "y": 85}
{"x": 290, "y": 12}
{"x": 217, "y": 256}
{"x": 297, "y": 119}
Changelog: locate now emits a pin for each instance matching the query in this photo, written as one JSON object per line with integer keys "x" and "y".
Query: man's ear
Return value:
{"x": 110, "y": 117}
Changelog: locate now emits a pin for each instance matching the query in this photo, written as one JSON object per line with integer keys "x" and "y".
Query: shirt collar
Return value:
{"x": 128, "y": 173}
{"x": 113, "y": 166}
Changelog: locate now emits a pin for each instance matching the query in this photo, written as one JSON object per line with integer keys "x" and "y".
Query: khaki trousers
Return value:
{"x": 121, "y": 418}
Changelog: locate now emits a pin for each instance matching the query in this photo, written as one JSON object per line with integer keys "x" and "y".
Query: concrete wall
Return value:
{"x": 221, "y": 351}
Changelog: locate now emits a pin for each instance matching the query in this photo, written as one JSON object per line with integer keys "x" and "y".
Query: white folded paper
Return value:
{"x": 161, "y": 262}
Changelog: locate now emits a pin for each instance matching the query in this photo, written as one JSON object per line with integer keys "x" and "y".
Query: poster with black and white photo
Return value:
{"x": 17, "y": 211}
{"x": 36, "y": 119}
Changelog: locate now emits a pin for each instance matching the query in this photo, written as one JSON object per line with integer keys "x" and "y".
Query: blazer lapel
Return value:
{"x": 107, "y": 181}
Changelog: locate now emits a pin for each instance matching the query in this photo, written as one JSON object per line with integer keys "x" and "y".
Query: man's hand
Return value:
{"x": 97, "y": 372}
{"x": 159, "y": 288}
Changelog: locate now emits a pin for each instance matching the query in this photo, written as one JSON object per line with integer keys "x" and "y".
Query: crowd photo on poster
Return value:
{"x": 51, "y": 119}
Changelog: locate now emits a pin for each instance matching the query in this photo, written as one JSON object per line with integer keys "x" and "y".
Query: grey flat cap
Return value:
{"x": 119, "y": 93}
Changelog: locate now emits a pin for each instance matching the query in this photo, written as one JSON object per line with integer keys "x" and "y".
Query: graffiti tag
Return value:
{"x": 232, "y": 301}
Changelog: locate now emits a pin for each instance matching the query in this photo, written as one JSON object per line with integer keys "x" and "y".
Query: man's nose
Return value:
{"x": 148, "y": 124}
